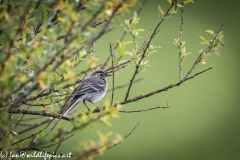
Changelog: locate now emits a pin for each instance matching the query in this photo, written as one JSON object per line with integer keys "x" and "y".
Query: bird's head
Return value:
{"x": 100, "y": 74}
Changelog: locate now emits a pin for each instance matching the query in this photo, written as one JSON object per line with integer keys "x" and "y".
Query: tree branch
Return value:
{"x": 145, "y": 49}
{"x": 142, "y": 96}
{"x": 208, "y": 49}
{"x": 161, "y": 89}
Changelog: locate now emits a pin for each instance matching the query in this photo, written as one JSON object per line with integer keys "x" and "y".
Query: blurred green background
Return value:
{"x": 203, "y": 119}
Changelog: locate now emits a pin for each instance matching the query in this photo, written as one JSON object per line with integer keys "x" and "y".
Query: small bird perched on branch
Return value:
{"x": 91, "y": 89}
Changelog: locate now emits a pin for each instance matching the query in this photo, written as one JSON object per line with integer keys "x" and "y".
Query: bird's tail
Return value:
{"x": 64, "y": 110}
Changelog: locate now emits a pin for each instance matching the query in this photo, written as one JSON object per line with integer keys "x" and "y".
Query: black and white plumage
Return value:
{"x": 91, "y": 89}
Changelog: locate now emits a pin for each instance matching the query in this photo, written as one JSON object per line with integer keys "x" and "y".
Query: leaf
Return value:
{"x": 128, "y": 42}
{"x": 22, "y": 79}
{"x": 135, "y": 20}
{"x": 183, "y": 43}
{"x": 184, "y": 50}
{"x": 204, "y": 40}
{"x": 203, "y": 61}
{"x": 188, "y": 1}
{"x": 174, "y": 10}
{"x": 41, "y": 83}
{"x": 107, "y": 103}
{"x": 135, "y": 16}
{"x": 130, "y": 53}
{"x": 177, "y": 42}
{"x": 145, "y": 63}
{"x": 140, "y": 30}
{"x": 121, "y": 49}
{"x": 129, "y": 31}
{"x": 160, "y": 10}
{"x": 104, "y": 119}
{"x": 42, "y": 75}
{"x": 217, "y": 53}
{"x": 113, "y": 55}
{"x": 61, "y": 19}
{"x": 84, "y": 118}
{"x": 119, "y": 52}
{"x": 126, "y": 22}
{"x": 179, "y": 5}
{"x": 210, "y": 32}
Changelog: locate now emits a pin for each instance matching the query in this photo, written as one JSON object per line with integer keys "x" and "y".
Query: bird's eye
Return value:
{"x": 101, "y": 74}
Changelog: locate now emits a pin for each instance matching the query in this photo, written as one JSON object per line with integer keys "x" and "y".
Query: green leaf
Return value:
{"x": 135, "y": 20}
{"x": 140, "y": 30}
{"x": 121, "y": 49}
{"x": 170, "y": 1}
{"x": 174, "y": 10}
{"x": 210, "y": 32}
{"x": 183, "y": 43}
{"x": 177, "y": 42}
{"x": 120, "y": 52}
{"x": 188, "y": 1}
{"x": 128, "y": 52}
{"x": 105, "y": 119}
{"x": 135, "y": 16}
{"x": 113, "y": 55}
{"x": 179, "y": 5}
{"x": 145, "y": 63}
{"x": 160, "y": 10}
{"x": 128, "y": 42}
{"x": 129, "y": 31}
{"x": 204, "y": 40}
{"x": 217, "y": 53}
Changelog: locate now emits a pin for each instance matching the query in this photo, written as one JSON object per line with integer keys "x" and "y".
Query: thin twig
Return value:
{"x": 99, "y": 22}
{"x": 53, "y": 127}
{"x": 34, "y": 112}
{"x": 92, "y": 18}
{"x": 122, "y": 138}
{"x": 34, "y": 126}
{"x": 161, "y": 89}
{"x": 123, "y": 35}
{"x": 94, "y": 53}
{"x": 208, "y": 49}
{"x": 30, "y": 119}
{"x": 17, "y": 122}
{"x": 59, "y": 144}
{"x": 33, "y": 133}
{"x": 181, "y": 43}
{"x": 105, "y": 26}
{"x": 143, "y": 4}
{"x": 143, "y": 54}
{"x": 111, "y": 55}
{"x": 135, "y": 111}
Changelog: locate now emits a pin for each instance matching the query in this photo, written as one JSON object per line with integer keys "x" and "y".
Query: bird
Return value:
{"x": 91, "y": 89}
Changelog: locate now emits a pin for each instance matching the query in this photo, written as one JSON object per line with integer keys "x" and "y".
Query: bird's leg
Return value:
{"x": 97, "y": 108}
{"x": 86, "y": 104}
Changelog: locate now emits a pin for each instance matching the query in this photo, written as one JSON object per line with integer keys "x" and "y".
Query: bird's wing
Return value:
{"x": 87, "y": 87}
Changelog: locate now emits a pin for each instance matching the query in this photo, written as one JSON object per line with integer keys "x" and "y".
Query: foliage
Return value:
{"x": 44, "y": 43}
